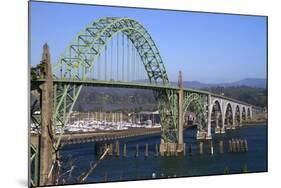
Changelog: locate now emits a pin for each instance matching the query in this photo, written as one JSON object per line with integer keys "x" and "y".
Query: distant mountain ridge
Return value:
{"x": 249, "y": 82}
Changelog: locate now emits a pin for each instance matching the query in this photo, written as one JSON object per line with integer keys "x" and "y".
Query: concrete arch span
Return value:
{"x": 229, "y": 115}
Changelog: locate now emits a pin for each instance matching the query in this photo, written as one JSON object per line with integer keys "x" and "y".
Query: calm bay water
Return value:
{"x": 132, "y": 168}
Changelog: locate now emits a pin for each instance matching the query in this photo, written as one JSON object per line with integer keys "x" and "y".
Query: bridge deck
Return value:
{"x": 152, "y": 86}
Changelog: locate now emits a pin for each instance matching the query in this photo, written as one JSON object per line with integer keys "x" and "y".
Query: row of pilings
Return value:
{"x": 200, "y": 147}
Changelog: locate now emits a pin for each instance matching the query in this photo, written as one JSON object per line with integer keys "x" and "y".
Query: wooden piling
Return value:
{"x": 110, "y": 149}
{"x": 167, "y": 150}
{"x": 163, "y": 149}
{"x": 174, "y": 149}
{"x": 221, "y": 146}
{"x": 117, "y": 149}
{"x": 183, "y": 149}
{"x": 146, "y": 150}
{"x": 201, "y": 147}
{"x": 230, "y": 146}
{"x": 124, "y": 151}
{"x": 246, "y": 145}
{"x": 137, "y": 151}
{"x": 234, "y": 149}
{"x": 241, "y": 145}
{"x": 237, "y": 145}
{"x": 171, "y": 151}
{"x": 156, "y": 150}
{"x": 212, "y": 148}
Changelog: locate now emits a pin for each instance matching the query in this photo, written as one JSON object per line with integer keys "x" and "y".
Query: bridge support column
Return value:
{"x": 240, "y": 115}
{"x": 234, "y": 124}
{"x": 209, "y": 134}
{"x": 181, "y": 113}
{"x": 217, "y": 120}
{"x": 176, "y": 147}
{"x": 46, "y": 152}
{"x": 217, "y": 128}
{"x": 223, "y": 114}
{"x": 222, "y": 131}
{"x": 251, "y": 112}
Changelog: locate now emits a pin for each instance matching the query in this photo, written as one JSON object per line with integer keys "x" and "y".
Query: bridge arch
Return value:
{"x": 228, "y": 114}
{"x": 244, "y": 113}
{"x": 237, "y": 115}
{"x": 196, "y": 102}
{"x": 217, "y": 113}
{"x": 80, "y": 57}
{"x": 248, "y": 113}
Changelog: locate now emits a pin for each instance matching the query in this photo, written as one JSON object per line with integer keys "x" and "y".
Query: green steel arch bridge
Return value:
{"x": 119, "y": 52}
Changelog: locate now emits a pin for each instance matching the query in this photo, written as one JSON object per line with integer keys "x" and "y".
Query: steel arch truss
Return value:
{"x": 79, "y": 58}
{"x": 35, "y": 118}
{"x": 65, "y": 96}
{"x": 198, "y": 102}
{"x": 167, "y": 101}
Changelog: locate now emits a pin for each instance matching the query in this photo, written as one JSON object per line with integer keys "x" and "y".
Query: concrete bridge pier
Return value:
{"x": 251, "y": 112}
{"x": 181, "y": 114}
{"x": 218, "y": 128}
{"x": 177, "y": 148}
{"x": 210, "y": 106}
{"x": 240, "y": 117}
{"x": 222, "y": 129}
{"x": 46, "y": 150}
{"x": 229, "y": 125}
{"x": 234, "y": 123}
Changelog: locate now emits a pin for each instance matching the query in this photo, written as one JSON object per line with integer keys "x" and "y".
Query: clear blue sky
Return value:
{"x": 210, "y": 48}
